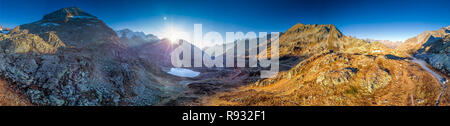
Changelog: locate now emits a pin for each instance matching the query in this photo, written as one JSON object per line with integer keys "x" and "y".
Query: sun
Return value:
{"x": 174, "y": 34}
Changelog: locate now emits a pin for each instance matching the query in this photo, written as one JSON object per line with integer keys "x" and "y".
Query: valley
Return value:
{"x": 72, "y": 58}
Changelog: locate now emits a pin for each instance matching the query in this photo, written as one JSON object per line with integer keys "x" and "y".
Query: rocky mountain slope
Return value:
{"x": 20, "y": 41}
{"x": 75, "y": 28}
{"x": 72, "y": 58}
{"x": 336, "y": 70}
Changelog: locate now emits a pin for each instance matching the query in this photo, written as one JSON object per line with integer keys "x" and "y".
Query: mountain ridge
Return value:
{"x": 135, "y": 38}
{"x": 335, "y": 69}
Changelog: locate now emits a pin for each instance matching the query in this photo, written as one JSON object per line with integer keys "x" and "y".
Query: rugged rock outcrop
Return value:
{"x": 306, "y": 40}
{"x": 20, "y": 41}
{"x": 75, "y": 28}
{"x": 72, "y": 58}
{"x": 52, "y": 39}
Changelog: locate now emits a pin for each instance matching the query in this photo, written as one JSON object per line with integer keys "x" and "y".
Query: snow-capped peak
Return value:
{"x": 81, "y": 17}
{"x": 129, "y": 34}
{"x": 135, "y": 38}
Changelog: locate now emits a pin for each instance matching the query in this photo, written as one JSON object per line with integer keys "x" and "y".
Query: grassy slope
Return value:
{"x": 327, "y": 80}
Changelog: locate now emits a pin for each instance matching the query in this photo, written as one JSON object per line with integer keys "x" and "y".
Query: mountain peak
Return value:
{"x": 133, "y": 38}
{"x": 325, "y": 28}
{"x": 125, "y": 30}
{"x": 66, "y": 13}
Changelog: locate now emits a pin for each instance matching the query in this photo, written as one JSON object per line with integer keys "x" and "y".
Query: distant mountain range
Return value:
{"x": 387, "y": 43}
{"x": 325, "y": 67}
{"x": 135, "y": 38}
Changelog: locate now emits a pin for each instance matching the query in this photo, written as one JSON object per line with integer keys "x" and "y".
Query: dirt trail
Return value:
{"x": 442, "y": 80}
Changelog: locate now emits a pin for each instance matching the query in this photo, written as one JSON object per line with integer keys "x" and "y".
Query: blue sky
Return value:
{"x": 377, "y": 19}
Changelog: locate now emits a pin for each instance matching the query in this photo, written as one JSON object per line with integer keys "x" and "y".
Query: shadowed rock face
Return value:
{"x": 65, "y": 14}
{"x": 75, "y": 28}
{"x": 431, "y": 46}
{"x": 72, "y": 58}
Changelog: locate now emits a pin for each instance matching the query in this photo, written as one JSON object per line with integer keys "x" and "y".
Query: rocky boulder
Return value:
{"x": 20, "y": 41}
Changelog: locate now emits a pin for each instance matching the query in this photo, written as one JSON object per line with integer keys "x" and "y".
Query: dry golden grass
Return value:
{"x": 357, "y": 73}
{"x": 445, "y": 98}
{"x": 339, "y": 79}
{"x": 10, "y": 97}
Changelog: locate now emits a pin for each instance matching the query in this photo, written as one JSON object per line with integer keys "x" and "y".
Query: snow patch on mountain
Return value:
{"x": 81, "y": 17}
{"x": 5, "y": 32}
{"x": 49, "y": 24}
